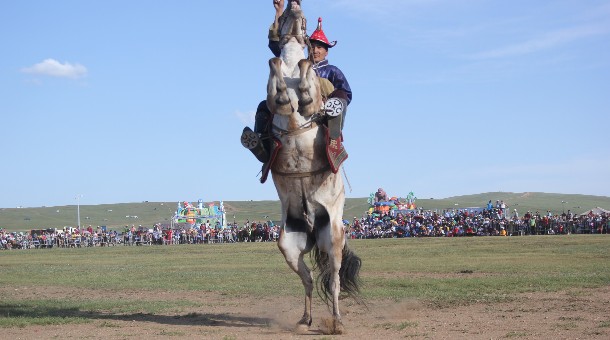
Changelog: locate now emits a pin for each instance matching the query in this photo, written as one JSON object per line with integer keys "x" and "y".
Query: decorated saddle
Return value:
{"x": 335, "y": 152}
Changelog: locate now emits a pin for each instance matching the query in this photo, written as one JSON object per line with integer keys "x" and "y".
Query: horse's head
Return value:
{"x": 293, "y": 84}
{"x": 293, "y": 24}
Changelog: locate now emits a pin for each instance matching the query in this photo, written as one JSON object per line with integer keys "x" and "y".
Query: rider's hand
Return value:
{"x": 279, "y": 6}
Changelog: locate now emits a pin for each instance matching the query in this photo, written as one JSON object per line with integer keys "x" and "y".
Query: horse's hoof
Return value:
{"x": 304, "y": 103}
{"x": 333, "y": 327}
{"x": 338, "y": 328}
{"x": 301, "y": 329}
{"x": 282, "y": 99}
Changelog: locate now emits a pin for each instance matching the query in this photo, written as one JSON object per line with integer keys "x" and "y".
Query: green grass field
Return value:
{"x": 149, "y": 213}
{"x": 443, "y": 272}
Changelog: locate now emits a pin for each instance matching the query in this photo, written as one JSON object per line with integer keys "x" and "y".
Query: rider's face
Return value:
{"x": 319, "y": 52}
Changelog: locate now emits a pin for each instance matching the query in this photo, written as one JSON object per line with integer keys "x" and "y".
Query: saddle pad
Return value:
{"x": 275, "y": 148}
{"x": 335, "y": 152}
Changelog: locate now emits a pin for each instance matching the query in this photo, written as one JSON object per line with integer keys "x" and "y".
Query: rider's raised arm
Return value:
{"x": 274, "y": 43}
{"x": 274, "y": 35}
{"x": 279, "y": 10}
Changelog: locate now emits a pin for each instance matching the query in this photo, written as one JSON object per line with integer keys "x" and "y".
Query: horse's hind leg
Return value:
{"x": 335, "y": 261}
{"x": 331, "y": 241}
{"x": 277, "y": 95}
{"x": 294, "y": 246}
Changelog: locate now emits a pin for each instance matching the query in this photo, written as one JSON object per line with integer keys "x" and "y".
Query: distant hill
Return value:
{"x": 148, "y": 213}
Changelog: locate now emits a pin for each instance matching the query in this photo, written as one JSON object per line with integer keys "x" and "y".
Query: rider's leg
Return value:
{"x": 258, "y": 141}
{"x": 336, "y": 107}
{"x": 262, "y": 126}
{"x": 262, "y": 119}
{"x": 336, "y": 123}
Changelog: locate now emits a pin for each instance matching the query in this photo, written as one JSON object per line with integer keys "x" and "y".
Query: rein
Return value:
{"x": 299, "y": 130}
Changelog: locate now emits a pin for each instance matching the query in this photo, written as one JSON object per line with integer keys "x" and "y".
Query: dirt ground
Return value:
{"x": 582, "y": 314}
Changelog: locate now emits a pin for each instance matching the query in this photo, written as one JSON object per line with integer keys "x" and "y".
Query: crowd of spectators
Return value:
{"x": 138, "y": 236}
{"x": 494, "y": 220}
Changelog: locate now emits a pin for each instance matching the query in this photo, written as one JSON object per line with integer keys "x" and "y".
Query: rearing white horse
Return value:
{"x": 311, "y": 195}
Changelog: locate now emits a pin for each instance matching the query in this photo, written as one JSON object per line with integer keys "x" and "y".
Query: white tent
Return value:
{"x": 596, "y": 211}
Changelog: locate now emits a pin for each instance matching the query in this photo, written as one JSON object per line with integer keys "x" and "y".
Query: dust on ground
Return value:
{"x": 577, "y": 314}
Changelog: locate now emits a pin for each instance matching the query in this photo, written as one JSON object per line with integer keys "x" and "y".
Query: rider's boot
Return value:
{"x": 335, "y": 109}
{"x": 253, "y": 142}
{"x": 335, "y": 112}
{"x": 257, "y": 141}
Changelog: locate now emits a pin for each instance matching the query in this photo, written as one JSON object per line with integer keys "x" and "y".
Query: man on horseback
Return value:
{"x": 302, "y": 118}
{"x": 333, "y": 84}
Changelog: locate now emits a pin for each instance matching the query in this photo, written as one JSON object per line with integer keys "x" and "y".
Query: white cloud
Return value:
{"x": 246, "y": 118}
{"x": 380, "y": 8}
{"x": 53, "y": 68}
{"x": 544, "y": 42}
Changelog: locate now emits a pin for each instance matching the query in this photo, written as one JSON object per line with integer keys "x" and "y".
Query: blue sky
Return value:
{"x": 128, "y": 101}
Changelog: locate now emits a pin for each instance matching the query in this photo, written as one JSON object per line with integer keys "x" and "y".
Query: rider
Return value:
{"x": 332, "y": 80}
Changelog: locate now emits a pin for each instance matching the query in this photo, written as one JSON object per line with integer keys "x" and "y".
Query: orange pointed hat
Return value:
{"x": 318, "y": 35}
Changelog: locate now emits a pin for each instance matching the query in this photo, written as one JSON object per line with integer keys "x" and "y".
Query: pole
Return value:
{"x": 78, "y": 212}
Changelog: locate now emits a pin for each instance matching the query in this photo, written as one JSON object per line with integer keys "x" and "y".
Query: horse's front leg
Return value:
{"x": 278, "y": 101}
{"x": 310, "y": 99}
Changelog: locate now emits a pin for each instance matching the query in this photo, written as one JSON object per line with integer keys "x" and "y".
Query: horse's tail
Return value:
{"x": 349, "y": 274}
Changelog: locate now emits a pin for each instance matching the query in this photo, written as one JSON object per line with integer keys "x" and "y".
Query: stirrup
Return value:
{"x": 252, "y": 141}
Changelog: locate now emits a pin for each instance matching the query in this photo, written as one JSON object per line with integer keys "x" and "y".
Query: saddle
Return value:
{"x": 335, "y": 152}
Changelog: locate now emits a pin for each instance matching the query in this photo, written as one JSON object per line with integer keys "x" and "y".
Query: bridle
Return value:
{"x": 303, "y": 36}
